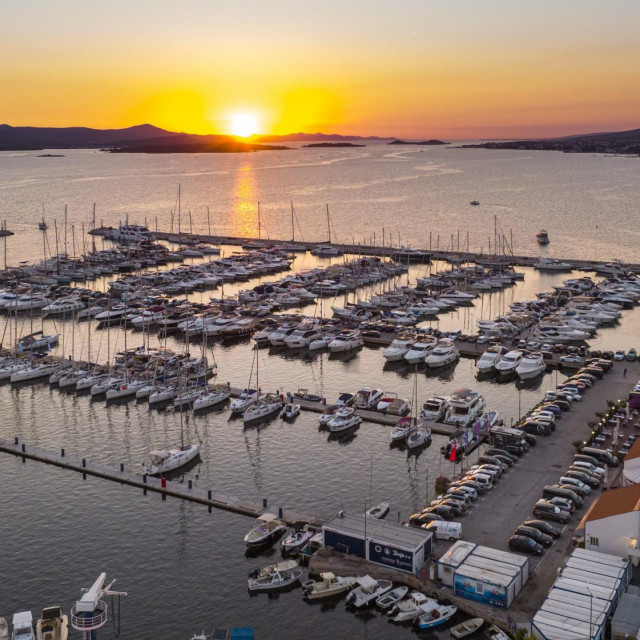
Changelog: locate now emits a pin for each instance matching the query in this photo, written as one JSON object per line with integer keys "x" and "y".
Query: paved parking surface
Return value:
{"x": 494, "y": 516}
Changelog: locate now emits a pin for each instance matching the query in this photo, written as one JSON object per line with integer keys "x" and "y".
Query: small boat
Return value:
{"x": 295, "y": 540}
{"x": 265, "y": 530}
{"x": 43, "y": 226}
{"x": 391, "y": 598}
{"x": 330, "y": 586}
{"x": 401, "y": 430}
{"x": 53, "y": 625}
{"x": 435, "y": 614}
{"x": 287, "y": 565}
{"x": 345, "y": 419}
{"x": 495, "y": 633}
{"x": 290, "y": 411}
{"x": 409, "y": 609}
{"x": 164, "y": 461}
{"x": 419, "y": 438}
{"x": 379, "y": 511}
{"x": 466, "y": 628}
{"x": 368, "y": 590}
{"x": 542, "y": 237}
{"x": 474, "y": 203}
{"x": 23, "y": 626}
{"x": 247, "y": 398}
{"x": 4, "y": 629}
{"x": 328, "y": 414}
{"x": 275, "y": 580}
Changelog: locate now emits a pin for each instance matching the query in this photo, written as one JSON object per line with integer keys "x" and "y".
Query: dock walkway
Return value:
{"x": 184, "y": 491}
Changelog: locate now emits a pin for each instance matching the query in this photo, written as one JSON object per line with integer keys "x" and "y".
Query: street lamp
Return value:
{"x": 590, "y": 613}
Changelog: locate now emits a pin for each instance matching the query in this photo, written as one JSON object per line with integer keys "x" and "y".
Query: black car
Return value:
{"x": 480, "y": 489}
{"x": 530, "y": 439}
{"x": 547, "y": 511}
{"x": 515, "y": 449}
{"x": 446, "y": 513}
{"x": 543, "y": 526}
{"x": 419, "y": 519}
{"x": 522, "y": 543}
{"x": 494, "y": 451}
{"x": 608, "y": 355}
{"x": 534, "y": 534}
{"x": 534, "y": 429}
{"x": 587, "y": 478}
{"x": 596, "y": 353}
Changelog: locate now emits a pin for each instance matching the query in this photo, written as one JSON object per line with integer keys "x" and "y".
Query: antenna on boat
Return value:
{"x": 90, "y": 612}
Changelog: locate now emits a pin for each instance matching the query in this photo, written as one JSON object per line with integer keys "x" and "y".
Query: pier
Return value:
{"x": 184, "y": 491}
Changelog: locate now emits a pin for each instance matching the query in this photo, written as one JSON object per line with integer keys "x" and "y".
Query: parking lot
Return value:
{"x": 495, "y": 515}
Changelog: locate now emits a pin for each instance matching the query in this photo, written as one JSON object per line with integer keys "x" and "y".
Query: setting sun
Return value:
{"x": 243, "y": 125}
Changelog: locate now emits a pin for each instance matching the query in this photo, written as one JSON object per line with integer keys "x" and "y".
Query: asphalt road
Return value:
{"x": 494, "y": 516}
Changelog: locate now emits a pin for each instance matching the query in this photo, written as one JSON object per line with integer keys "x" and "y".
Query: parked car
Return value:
{"x": 419, "y": 519}
{"x": 462, "y": 486}
{"x": 515, "y": 449}
{"x": 619, "y": 355}
{"x": 563, "y": 503}
{"x": 559, "y": 348}
{"x": 571, "y": 359}
{"x": 584, "y": 477}
{"x": 527, "y": 545}
{"x": 535, "y": 534}
{"x": 494, "y": 461}
{"x": 543, "y": 526}
{"x": 548, "y": 511}
{"x": 444, "y": 530}
{"x": 478, "y": 487}
{"x": 589, "y": 466}
{"x": 559, "y": 491}
{"x": 601, "y": 455}
{"x": 569, "y": 479}
{"x": 632, "y": 355}
{"x": 496, "y": 451}
{"x": 608, "y": 355}
{"x": 595, "y": 353}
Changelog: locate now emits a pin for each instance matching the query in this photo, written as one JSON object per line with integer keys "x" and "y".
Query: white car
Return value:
{"x": 571, "y": 358}
{"x": 619, "y": 355}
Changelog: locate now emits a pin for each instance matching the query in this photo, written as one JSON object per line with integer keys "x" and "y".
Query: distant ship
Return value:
{"x": 475, "y": 203}
{"x": 542, "y": 237}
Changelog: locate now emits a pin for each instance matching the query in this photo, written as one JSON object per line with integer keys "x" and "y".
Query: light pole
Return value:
{"x": 590, "y": 613}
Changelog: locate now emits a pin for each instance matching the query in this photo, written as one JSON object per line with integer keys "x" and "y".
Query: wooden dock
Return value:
{"x": 184, "y": 491}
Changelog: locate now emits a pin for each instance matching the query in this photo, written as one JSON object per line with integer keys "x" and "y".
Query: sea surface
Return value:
{"x": 183, "y": 567}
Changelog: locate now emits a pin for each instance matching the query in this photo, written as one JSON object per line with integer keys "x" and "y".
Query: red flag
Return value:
{"x": 452, "y": 455}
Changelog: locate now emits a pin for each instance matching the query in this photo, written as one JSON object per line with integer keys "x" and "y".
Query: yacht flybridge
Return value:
{"x": 531, "y": 366}
{"x": 509, "y": 362}
{"x": 464, "y": 407}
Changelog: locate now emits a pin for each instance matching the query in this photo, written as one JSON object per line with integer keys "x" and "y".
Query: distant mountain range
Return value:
{"x": 147, "y": 139}
{"x": 619, "y": 142}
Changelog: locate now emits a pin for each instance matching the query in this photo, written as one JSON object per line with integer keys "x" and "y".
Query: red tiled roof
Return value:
{"x": 614, "y": 502}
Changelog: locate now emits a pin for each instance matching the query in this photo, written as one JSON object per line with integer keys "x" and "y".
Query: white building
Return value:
{"x": 612, "y": 524}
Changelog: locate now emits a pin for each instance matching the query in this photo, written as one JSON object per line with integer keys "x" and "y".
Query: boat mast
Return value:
{"x": 259, "y": 223}
{"x": 208, "y": 221}
{"x": 179, "y": 206}
{"x": 328, "y": 223}
{"x": 65, "y": 229}
{"x": 293, "y": 228}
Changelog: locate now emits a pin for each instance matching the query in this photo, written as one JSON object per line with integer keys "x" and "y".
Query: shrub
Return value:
{"x": 442, "y": 484}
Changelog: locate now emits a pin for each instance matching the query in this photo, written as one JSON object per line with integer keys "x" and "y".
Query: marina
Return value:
{"x": 176, "y": 391}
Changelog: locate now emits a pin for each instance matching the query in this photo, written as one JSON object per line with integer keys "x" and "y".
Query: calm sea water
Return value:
{"x": 185, "y": 568}
{"x": 588, "y": 203}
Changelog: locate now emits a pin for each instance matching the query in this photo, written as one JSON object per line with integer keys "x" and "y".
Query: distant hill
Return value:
{"x": 228, "y": 145}
{"x": 324, "y": 145}
{"x": 424, "y": 143}
{"x": 618, "y": 142}
{"x": 312, "y": 137}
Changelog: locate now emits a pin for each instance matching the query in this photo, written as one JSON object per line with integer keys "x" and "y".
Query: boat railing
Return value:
{"x": 86, "y": 621}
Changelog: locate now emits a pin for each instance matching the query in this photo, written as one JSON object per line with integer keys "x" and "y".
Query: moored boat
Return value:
{"x": 266, "y": 529}
{"x": 275, "y": 580}
{"x": 466, "y": 628}
{"x": 330, "y": 586}
{"x": 368, "y": 590}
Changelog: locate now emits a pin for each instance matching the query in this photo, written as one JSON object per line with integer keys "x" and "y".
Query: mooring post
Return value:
{"x": 190, "y": 484}
{"x": 62, "y": 453}
{"x": 264, "y": 503}
{"x": 121, "y": 467}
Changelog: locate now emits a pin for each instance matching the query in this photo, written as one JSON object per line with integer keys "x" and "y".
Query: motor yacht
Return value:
{"x": 434, "y": 409}
{"x": 367, "y": 590}
{"x": 435, "y": 614}
{"x": 549, "y": 264}
{"x": 330, "y": 586}
{"x": 445, "y": 353}
{"x": 275, "y": 580}
{"x": 509, "y": 362}
{"x": 489, "y": 359}
{"x": 63, "y": 306}
{"x": 542, "y": 237}
{"x": 344, "y": 419}
{"x": 398, "y": 348}
{"x": 247, "y": 398}
{"x": 531, "y": 366}
{"x": 345, "y": 341}
{"x": 367, "y": 398}
{"x": 401, "y": 431}
{"x": 303, "y": 335}
{"x": 278, "y": 337}
{"x": 419, "y": 350}
{"x": 409, "y": 609}
{"x": 464, "y": 407}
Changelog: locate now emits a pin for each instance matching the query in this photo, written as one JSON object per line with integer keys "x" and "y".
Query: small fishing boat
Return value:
{"x": 266, "y": 529}
{"x": 391, "y": 598}
{"x": 401, "y": 431}
{"x": 330, "y": 586}
{"x": 466, "y": 628}
{"x": 328, "y": 414}
{"x": 542, "y": 237}
{"x": 290, "y": 411}
{"x": 295, "y": 540}
{"x": 4, "y": 629}
{"x": 435, "y": 614}
{"x": 496, "y": 633}
{"x": 275, "y": 580}
{"x": 379, "y": 511}
{"x": 344, "y": 419}
{"x": 474, "y": 203}
{"x": 409, "y": 609}
{"x": 23, "y": 626}
{"x": 368, "y": 590}
{"x": 286, "y": 565}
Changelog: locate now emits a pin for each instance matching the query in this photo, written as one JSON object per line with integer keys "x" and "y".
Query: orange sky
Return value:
{"x": 411, "y": 68}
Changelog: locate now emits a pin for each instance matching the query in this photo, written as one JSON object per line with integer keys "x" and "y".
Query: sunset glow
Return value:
{"x": 459, "y": 69}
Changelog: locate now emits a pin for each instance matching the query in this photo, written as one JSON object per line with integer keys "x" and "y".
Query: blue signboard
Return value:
{"x": 480, "y": 591}
{"x": 390, "y": 556}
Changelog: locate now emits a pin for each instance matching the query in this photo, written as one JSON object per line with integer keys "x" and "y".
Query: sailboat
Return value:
{"x": 169, "y": 460}
{"x": 265, "y": 407}
{"x": 418, "y": 436}
{"x": 292, "y": 246}
{"x": 328, "y": 250}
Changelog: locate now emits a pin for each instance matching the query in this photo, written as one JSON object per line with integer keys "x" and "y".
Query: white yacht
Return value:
{"x": 444, "y": 354}
{"x": 564, "y": 334}
{"x": 489, "y": 359}
{"x": 27, "y": 302}
{"x": 278, "y": 337}
{"x": 419, "y": 351}
{"x": 34, "y": 372}
{"x": 64, "y": 305}
{"x": 549, "y": 264}
{"x": 346, "y": 341}
{"x": 530, "y": 366}
{"x": 244, "y": 401}
{"x": 367, "y": 591}
{"x": 509, "y": 362}
{"x": 434, "y": 409}
{"x": 263, "y": 409}
{"x": 124, "y": 388}
{"x": 162, "y": 393}
{"x": 303, "y": 335}
{"x": 343, "y": 420}
{"x": 265, "y": 530}
{"x": 367, "y": 398}
{"x": 212, "y": 397}
{"x": 164, "y": 461}
{"x": 398, "y": 348}
{"x": 37, "y": 340}
{"x": 23, "y": 626}
{"x": 52, "y": 625}
{"x": 331, "y": 585}
{"x": 464, "y": 406}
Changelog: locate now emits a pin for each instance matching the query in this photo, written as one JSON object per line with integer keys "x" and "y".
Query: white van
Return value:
{"x": 444, "y": 530}
{"x": 481, "y": 478}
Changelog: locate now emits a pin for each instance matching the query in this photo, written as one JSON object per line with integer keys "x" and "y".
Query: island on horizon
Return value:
{"x": 423, "y": 143}
{"x": 332, "y": 144}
